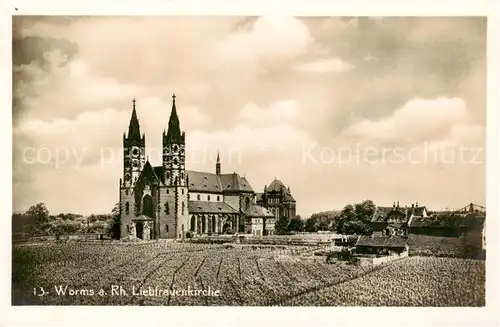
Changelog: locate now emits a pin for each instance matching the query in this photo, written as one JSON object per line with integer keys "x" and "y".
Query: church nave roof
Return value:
{"x": 210, "y": 207}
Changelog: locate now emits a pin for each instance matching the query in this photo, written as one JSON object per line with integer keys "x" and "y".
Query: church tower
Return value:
{"x": 174, "y": 195}
{"x": 134, "y": 148}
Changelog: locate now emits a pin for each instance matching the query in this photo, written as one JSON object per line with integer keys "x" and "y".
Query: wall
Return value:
{"x": 270, "y": 225}
{"x": 257, "y": 226}
{"x": 193, "y": 196}
{"x": 164, "y": 218}
{"x": 182, "y": 214}
{"x": 126, "y": 219}
{"x": 374, "y": 261}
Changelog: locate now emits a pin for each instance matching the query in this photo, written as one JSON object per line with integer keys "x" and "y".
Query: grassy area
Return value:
{"x": 243, "y": 276}
{"x": 454, "y": 247}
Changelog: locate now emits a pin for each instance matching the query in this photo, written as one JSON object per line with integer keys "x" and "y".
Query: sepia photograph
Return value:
{"x": 249, "y": 161}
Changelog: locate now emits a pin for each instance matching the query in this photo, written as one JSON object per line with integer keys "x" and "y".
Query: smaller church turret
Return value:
{"x": 217, "y": 165}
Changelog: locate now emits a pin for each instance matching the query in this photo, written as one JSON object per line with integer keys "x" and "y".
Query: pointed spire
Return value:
{"x": 174, "y": 128}
{"x": 134, "y": 130}
{"x": 217, "y": 165}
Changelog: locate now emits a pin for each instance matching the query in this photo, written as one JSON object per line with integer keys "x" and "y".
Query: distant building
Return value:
{"x": 258, "y": 221}
{"x": 416, "y": 219}
{"x": 394, "y": 220}
{"x": 467, "y": 220}
{"x": 278, "y": 199}
{"x": 381, "y": 245}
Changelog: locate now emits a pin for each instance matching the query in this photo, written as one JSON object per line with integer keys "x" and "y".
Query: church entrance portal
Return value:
{"x": 139, "y": 227}
{"x": 147, "y": 207}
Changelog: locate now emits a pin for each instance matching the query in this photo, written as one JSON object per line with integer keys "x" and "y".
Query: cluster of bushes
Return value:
{"x": 352, "y": 219}
{"x": 37, "y": 222}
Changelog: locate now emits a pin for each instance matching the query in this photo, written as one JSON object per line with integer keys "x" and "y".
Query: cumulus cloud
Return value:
{"x": 270, "y": 38}
{"x": 95, "y": 133}
{"x": 281, "y": 112}
{"x": 62, "y": 90}
{"x": 335, "y": 65}
{"x": 418, "y": 120}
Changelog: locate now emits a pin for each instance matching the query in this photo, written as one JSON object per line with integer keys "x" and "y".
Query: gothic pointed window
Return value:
{"x": 199, "y": 197}
{"x": 167, "y": 208}
{"x": 183, "y": 207}
{"x": 208, "y": 197}
{"x": 193, "y": 223}
{"x": 127, "y": 208}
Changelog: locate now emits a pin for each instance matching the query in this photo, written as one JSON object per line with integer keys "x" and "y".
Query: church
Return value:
{"x": 171, "y": 202}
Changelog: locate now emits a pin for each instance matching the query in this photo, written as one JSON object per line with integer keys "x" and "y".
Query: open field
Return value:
{"x": 244, "y": 276}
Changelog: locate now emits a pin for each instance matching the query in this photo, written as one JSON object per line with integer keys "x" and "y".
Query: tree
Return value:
{"x": 91, "y": 218}
{"x": 364, "y": 210}
{"x": 282, "y": 226}
{"x": 114, "y": 225}
{"x": 22, "y": 223}
{"x": 40, "y": 212}
{"x": 355, "y": 219}
{"x": 356, "y": 227}
{"x": 322, "y": 221}
{"x": 311, "y": 225}
{"x": 296, "y": 224}
{"x": 63, "y": 227}
{"x": 346, "y": 215}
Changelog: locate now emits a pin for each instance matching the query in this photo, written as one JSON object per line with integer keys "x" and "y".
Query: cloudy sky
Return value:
{"x": 339, "y": 109}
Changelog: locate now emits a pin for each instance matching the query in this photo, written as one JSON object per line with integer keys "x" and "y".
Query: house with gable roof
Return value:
{"x": 394, "y": 220}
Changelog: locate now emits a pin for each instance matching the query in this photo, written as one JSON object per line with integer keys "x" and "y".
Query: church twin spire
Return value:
{"x": 174, "y": 134}
{"x": 134, "y": 130}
